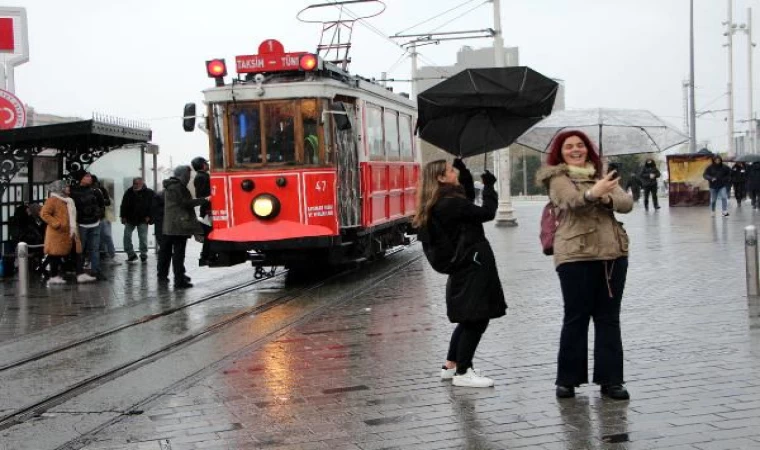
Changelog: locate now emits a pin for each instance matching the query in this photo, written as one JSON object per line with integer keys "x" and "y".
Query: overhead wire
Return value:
{"x": 378, "y": 32}
{"x": 461, "y": 15}
{"x": 435, "y": 17}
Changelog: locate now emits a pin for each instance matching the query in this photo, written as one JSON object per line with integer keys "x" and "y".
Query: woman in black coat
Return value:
{"x": 739, "y": 181}
{"x": 446, "y": 215}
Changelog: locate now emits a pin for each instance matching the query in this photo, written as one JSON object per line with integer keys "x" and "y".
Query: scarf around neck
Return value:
{"x": 72, "y": 209}
{"x": 589, "y": 171}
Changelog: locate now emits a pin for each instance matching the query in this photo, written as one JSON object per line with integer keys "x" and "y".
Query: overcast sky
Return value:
{"x": 143, "y": 59}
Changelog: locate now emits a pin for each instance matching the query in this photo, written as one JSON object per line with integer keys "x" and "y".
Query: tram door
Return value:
{"x": 345, "y": 129}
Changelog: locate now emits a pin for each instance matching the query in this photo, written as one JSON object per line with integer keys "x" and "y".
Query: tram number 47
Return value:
{"x": 321, "y": 185}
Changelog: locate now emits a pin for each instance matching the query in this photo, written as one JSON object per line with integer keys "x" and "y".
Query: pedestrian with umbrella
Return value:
{"x": 471, "y": 113}
{"x": 448, "y": 218}
{"x": 719, "y": 177}
{"x": 591, "y": 258}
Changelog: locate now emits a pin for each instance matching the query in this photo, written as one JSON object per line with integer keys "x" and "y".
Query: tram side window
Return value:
{"x": 375, "y": 132}
{"x": 309, "y": 116}
{"x": 405, "y": 135}
{"x": 217, "y": 136}
{"x": 280, "y": 132}
{"x": 391, "y": 135}
{"x": 246, "y": 135}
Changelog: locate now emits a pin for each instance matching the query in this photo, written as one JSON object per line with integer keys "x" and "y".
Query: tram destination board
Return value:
{"x": 268, "y": 63}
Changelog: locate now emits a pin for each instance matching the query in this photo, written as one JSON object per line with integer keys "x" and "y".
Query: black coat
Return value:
{"x": 753, "y": 177}
{"x": 473, "y": 291}
{"x": 718, "y": 175}
{"x": 647, "y": 181}
{"x": 202, "y": 184}
{"x": 739, "y": 175}
{"x": 90, "y": 204}
{"x": 136, "y": 205}
{"x": 179, "y": 210}
{"x": 157, "y": 213}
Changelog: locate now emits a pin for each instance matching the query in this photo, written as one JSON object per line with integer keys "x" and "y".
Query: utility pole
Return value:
{"x": 504, "y": 213}
{"x": 692, "y": 104}
{"x": 730, "y": 29}
{"x": 686, "y": 109}
{"x": 750, "y": 47}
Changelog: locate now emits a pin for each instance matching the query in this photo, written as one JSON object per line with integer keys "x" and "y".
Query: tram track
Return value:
{"x": 140, "y": 321}
{"x": 38, "y": 407}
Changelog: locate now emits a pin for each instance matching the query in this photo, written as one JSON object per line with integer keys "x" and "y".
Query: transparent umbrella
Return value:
{"x": 615, "y": 131}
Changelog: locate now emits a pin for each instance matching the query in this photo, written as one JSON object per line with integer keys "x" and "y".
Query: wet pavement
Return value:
{"x": 354, "y": 364}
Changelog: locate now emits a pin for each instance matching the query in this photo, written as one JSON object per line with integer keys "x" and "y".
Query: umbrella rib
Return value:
{"x": 651, "y": 138}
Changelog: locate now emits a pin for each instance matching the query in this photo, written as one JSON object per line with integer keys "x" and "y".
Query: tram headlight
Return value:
{"x": 265, "y": 206}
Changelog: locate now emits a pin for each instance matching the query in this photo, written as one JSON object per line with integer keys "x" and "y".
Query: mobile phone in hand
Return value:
{"x": 614, "y": 167}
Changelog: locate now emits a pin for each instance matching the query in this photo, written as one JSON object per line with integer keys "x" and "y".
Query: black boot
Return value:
{"x": 565, "y": 391}
{"x": 615, "y": 392}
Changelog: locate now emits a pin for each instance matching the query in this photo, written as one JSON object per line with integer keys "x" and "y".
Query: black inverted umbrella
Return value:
{"x": 479, "y": 110}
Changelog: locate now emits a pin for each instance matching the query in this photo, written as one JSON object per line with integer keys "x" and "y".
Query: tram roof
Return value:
{"x": 78, "y": 135}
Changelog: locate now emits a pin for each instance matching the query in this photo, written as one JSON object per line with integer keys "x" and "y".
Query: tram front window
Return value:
{"x": 246, "y": 135}
{"x": 279, "y": 126}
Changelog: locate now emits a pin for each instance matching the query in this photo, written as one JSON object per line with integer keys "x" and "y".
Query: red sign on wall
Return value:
{"x": 7, "y": 42}
{"x": 12, "y": 111}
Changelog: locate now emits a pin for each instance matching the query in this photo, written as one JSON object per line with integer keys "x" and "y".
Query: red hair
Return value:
{"x": 555, "y": 152}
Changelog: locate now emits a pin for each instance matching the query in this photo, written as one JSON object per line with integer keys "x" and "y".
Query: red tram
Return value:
{"x": 309, "y": 165}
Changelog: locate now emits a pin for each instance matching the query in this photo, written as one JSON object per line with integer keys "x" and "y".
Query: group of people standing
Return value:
{"x": 745, "y": 180}
{"x": 75, "y": 226}
{"x": 590, "y": 255}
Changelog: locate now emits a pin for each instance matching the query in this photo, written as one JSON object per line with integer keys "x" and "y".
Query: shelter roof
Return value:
{"x": 73, "y": 136}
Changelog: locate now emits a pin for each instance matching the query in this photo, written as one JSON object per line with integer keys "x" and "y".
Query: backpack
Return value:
{"x": 550, "y": 218}
{"x": 443, "y": 255}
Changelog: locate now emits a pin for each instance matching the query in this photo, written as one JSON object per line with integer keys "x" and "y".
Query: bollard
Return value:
{"x": 750, "y": 252}
{"x": 22, "y": 255}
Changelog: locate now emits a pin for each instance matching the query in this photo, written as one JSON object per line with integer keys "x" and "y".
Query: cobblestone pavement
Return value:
{"x": 129, "y": 286}
{"x": 364, "y": 374}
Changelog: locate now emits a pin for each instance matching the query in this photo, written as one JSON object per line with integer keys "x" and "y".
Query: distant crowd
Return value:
{"x": 71, "y": 232}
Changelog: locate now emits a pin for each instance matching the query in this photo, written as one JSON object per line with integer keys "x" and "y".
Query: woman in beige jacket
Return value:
{"x": 61, "y": 237}
{"x": 591, "y": 258}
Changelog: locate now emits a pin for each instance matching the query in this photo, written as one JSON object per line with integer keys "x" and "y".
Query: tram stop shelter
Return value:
{"x": 686, "y": 186}
{"x": 32, "y": 157}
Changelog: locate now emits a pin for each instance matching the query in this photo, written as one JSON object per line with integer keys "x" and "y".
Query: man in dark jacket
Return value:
{"x": 649, "y": 175}
{"x": 719, "y": 177}
{"x": 90, "y": 204}
{"x": 739, "y": 181}
{"x": 753, "y": 184}
{"x": 202, "y": 184}
{"x": 180, "y": 224}
{"x": 135, "y": 214}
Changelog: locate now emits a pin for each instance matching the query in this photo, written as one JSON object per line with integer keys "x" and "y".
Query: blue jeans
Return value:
{"x": 106, "y": 238}
{"x": 142, "y": 237}
{"x": 719, "y": 193}
{"x": 91, "y": 246}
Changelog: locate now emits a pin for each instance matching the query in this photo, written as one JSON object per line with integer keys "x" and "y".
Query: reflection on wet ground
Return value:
{"x": 363, "y": 374}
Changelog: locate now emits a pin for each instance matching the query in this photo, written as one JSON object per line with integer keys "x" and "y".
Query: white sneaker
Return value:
{"x": 56, "y": 280}
{"x": 84, "y": 278}
{"x": 447, "y": 374}
{"x": 471, "y": 379}
{"x": 725, "y": 213}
